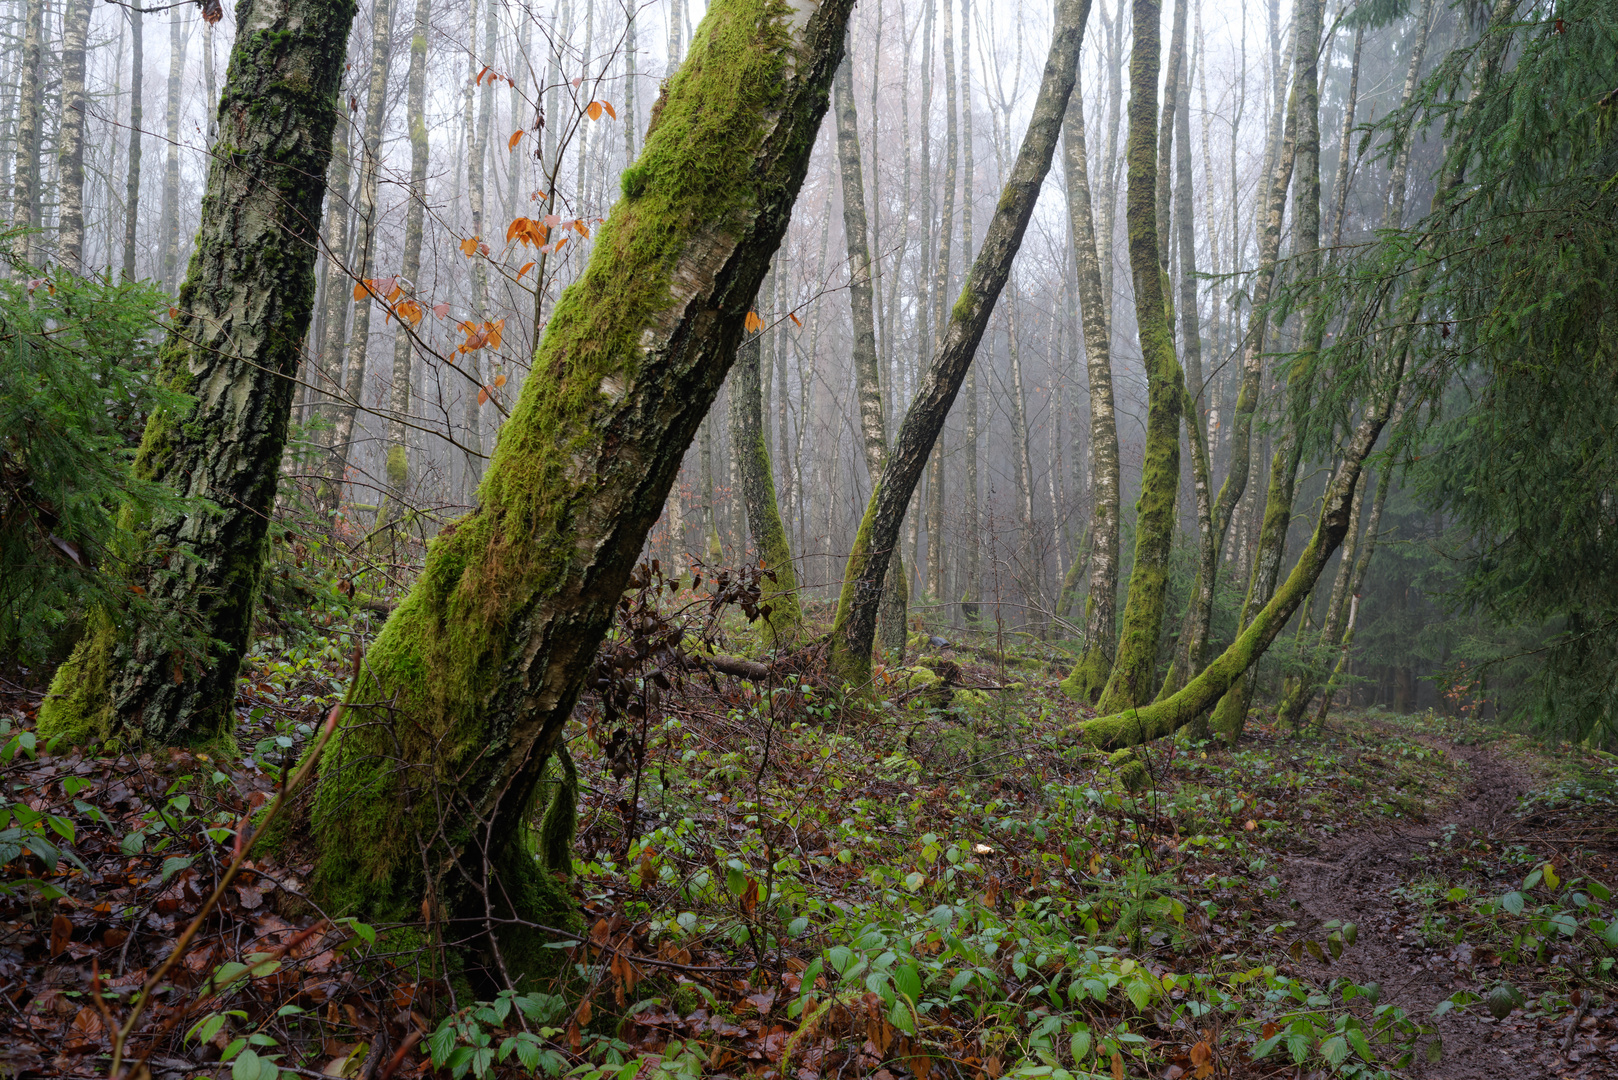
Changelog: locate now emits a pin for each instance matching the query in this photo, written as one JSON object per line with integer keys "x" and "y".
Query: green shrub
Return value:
{"x": 78, "y": 364}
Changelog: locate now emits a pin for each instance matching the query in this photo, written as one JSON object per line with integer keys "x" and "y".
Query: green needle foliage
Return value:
{"x": 77, "y": 364}
{"x": 1505, "y": 294}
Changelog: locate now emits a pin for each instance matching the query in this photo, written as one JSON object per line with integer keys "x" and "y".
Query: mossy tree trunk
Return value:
{"x": 243, "y": 312}
{"x": 1089, "y": 676}
{"x": 1164, "y": 717}
{"x": 867, "y": 368}
{"x": 170, "y": 236}
{"x": 855, "y": 626}
{"x": 1133, "y": 672}
{"x": 750, "y": 443}
{"x": 487, "y": 653}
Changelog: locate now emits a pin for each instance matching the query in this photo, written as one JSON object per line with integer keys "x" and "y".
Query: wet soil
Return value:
{"x": 1353, "y": 877}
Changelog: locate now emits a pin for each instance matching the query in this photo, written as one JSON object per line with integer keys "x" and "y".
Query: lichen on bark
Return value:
{"x": 234, "y": 346}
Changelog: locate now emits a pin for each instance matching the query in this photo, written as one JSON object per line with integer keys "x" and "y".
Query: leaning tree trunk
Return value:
{"x": 855, "y": 624}
{"x": 750, "y": 443}
{"x": 25, "y": 199}
{"x": 487, "y": 653}
{"x": 1089, "y": 675}
{"x": 867, "y": 368}
{"x": 404, "y": 341}
{"x": 243, "y": 312}
{"x": 132, "y": 183}
{"x": 70, "y": 138}
{"x": 1132, "y": 679}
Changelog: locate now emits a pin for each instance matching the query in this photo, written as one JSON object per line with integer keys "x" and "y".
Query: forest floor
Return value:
{"x": 938, "y": 883}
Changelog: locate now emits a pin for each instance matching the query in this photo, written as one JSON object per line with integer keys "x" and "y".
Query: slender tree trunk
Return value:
{"x": 855, "y": 624}
{"x": 404, "y": 351}
{"x": 867, "y": 366}
{"x": 1199, "y": 607}
{"x": 132, "y": 184}
{"x": 1109, "y": 197}
{"x": 1231, "y": 717}
{"x": 476, "y": 188}
{"x": 70, "y": 137}
{"x": 750, "y": 443}
{"x": 487, "y": 654}
{"x": 1030, "y": 561}
{"x": 936, "y": 585}
{"x": 328, "y": 366}
{"x": 25, "y": 203}
{"x": 170, "y": 264}
{"x": 1089, "y": 676}
{"x": 367, "y": 221}
{"x": 242, "y": 316}
{"x": 972, "y": 588}
{"x": 1345, "y": 136}
{"x": 1133, "y": 675}
{"x": 1356, "y": 584}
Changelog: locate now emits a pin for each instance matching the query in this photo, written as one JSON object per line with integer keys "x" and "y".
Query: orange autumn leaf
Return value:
{"x": 516, "y": 227}
{"x": 479, "y": 80}
{"x": 483, "y": 394}
{"x": 612, "y": 112}
{"x": 527, "y": 266}
{"x": 493, "y": 331}
{"x": 594, "y": 110}
{"x": 469, "y": 246}
{"x": 754, "y": 323}
{"x": 516, "y": 137}
{"x": 796, "y": 321}
{"x": 499, "y": 380}
{"x": 440, "y": 310}
{"x": 581, "y": 228}
{"x": 361, "y": 290}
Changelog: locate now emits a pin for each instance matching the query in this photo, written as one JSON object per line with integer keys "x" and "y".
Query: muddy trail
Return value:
{"x": 1355, "y": 877}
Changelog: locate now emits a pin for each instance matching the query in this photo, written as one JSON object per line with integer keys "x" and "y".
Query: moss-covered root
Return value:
{"x": 77, "y": 709}
{"x": 1088, "y": 677}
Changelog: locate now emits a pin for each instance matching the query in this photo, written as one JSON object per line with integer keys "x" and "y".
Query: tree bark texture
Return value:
{"x": 25, "y": 199}
{"x": 861, "y": 287}
{"x": 1089, "y": 675}
{"x": 70, "y": 138}
{"x": 170, "y": 259}
{"x": 1134, "y": 670}
{"x": 132, "y": 182}
{"x": 243, "y": 313}
{"x": 487, "y": 653}
{"x": 751, "y": 445}
{"x": 855, "y": 623}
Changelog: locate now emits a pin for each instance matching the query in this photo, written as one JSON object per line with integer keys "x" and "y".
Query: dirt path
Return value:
{"x": 1353, "y": 878}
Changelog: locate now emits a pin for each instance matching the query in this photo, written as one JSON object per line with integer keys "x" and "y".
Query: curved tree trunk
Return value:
{"x": 487, "y": 653}
{"x": 750, "y": 443}
{"x": 243, "y": 313}
{"x": 1231, "y": 717}
{"x": 1134, "y": 671}
{"x": 855, "y": 624}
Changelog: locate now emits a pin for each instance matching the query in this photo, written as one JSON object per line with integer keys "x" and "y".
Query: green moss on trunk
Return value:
{"x": 467, "y": 688}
